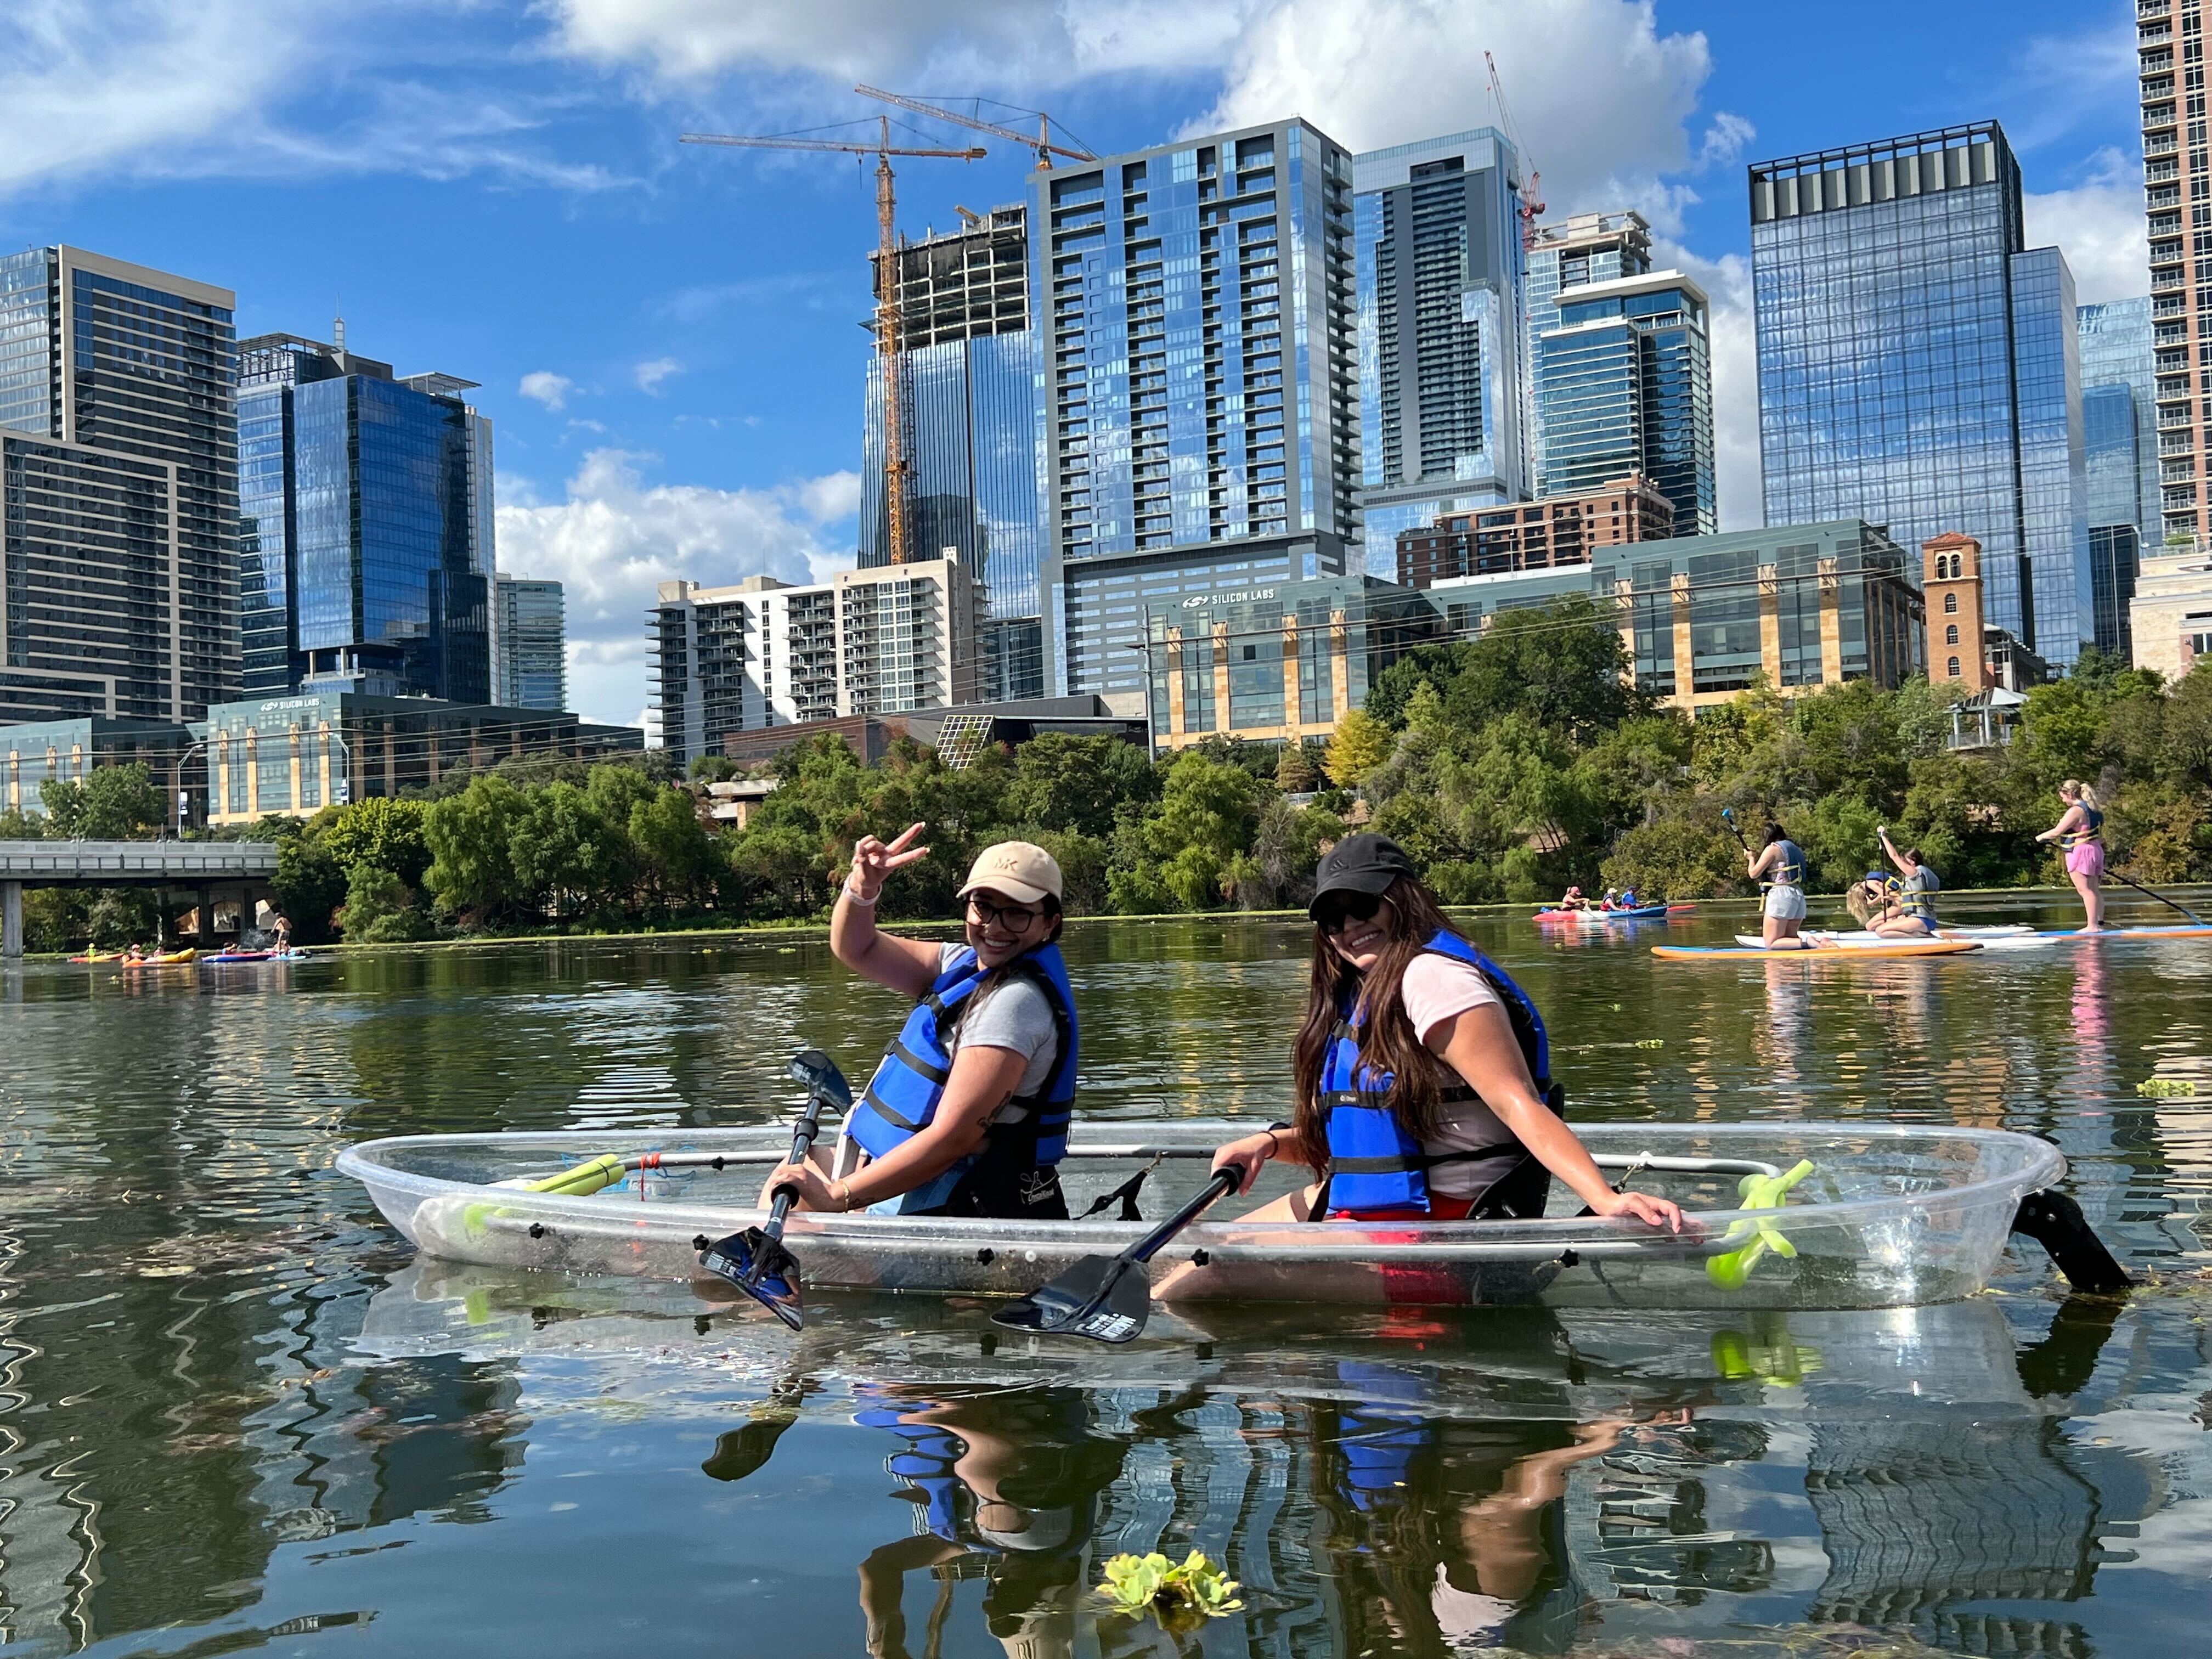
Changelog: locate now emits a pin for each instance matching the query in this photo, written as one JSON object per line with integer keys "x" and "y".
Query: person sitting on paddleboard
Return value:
{"x": 966, "y": 1114}
{"x": 1908, "y": 899}
{"x": 1422, "y": 1072}
{"x": 1779, "y": 869}
{"x": 2081, "y": 831}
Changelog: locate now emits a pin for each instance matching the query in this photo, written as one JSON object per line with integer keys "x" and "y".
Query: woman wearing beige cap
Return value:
{"x": 966, "y": 1114}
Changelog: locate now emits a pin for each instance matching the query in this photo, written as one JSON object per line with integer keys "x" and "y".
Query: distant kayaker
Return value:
{"x": 2080, "y": 832}
{"x": 1423, "y": 1086}
{"x": 1779, "y": 869}
{"x": 1574, "y": 900}
{"x": 284, "y": 928}
{"x": 966, "y": 1114}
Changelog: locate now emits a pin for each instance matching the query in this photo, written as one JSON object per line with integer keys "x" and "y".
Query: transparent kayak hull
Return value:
{"x": 1890, "y": 1217}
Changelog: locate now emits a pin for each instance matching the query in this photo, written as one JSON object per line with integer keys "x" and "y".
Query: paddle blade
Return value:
{"x": 1105, "y": 1298}
{"x": 761, "y": 1268}
{"x": 742, "y": 1451}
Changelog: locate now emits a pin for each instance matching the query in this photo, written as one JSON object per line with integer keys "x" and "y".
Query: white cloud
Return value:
{"x": 545, "y": 387}
{"x": 649, "y": 375}
{"x": 616, "y": 537}
{"x": 2099, "y": 225}
{"x": 184, "y": 89}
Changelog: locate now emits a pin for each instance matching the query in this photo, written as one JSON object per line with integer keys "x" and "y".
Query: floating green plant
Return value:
{"x": 2166, "y": 1088}
{"x": 1183, "y": 1595}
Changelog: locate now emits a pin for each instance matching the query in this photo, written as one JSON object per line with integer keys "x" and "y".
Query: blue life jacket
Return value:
{"x": 2091, "y": 829}
{"x": 1373, "y": 1163}
{"x": 927, "y": 1463}
{"x": 901, "y": 1097}
{"x": 1791, "y": 873}
{"x": 1379, "y": 1439}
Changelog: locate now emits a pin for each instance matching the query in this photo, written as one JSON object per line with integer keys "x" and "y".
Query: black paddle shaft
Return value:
{"x": 802, "y": 1142}
{"x": 2175, "y": 903}
{"x": 1225, "y": 1182}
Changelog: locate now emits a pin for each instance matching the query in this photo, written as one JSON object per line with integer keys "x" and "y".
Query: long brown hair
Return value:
{"x": 1388, "y": 1041}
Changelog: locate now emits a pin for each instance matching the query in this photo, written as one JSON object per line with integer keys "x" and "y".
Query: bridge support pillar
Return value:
{"x": 11, "y": 920}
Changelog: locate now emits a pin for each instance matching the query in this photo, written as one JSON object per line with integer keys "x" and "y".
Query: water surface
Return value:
{"x": 237, "y": 1414}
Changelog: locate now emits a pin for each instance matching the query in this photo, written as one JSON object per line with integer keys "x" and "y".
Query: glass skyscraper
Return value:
{"x": 1919, "y": 368}
{"x": 529, "y": 635}
{"x": 119, "y": 490}
{"x": 2120, "y": 446}
{"x": 1588, "y": 247}
{"x": 364, "y": 522}
{"x": 1624, "y": 381}
{"x": 1198, "y": 327}
{"x": 969, "y": 373}
{"x": 1441, "y": 272}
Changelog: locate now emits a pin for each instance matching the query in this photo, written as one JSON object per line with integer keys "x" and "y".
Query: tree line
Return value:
{"x": 1508, "y": 765}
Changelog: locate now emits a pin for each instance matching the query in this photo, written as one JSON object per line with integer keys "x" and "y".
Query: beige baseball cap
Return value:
{"x": 1018, "y": 869}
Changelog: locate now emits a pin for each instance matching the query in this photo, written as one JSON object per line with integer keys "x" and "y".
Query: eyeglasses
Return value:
{"x": 1015, "y": 919}
{"x": 1359, "y": 906}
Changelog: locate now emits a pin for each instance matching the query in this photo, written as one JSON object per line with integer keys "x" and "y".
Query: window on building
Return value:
{"x": 1954, "y": 668}
{"x": 1951, "y": 634}
{"x": 1950, "y": 604}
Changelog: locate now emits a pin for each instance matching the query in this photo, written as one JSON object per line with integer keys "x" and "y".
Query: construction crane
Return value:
{"x": 1042, "y": 144}
{"x": 887, "y": 311}
{"x": 1532, "y": 198}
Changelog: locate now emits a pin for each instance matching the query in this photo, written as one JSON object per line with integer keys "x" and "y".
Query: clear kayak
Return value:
{"x": 1886, "y": 1216}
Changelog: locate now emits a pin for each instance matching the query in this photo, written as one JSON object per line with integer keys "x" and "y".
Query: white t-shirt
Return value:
{"x": 1011, "y": 1012}
{"x": 1436, "y": 988}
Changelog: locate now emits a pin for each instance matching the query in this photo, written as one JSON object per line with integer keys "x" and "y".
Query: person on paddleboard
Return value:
{"x": 1422, "y": 1072}
{"x": 1779, "y": 869}
{"x": 966, "y": 1114}
{"x": 2080, "y": 832}
{"x": 1902, "y": 906}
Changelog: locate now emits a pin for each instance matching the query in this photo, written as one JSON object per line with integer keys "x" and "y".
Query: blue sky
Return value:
{"x": 668, "y": 337}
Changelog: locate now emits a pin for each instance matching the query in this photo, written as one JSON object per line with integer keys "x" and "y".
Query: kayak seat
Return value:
{"x": 1519, "y": 1195}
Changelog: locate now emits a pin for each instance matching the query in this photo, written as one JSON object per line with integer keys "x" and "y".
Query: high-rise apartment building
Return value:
{"x": 2119, "y": 446}
{"x": 763, "y": 652}
{"x": 365, "y": 525}
{"x": 1625, "y": 382}
{"x": 1442, "y": 373}
{"x": 529, "y": 643}
{"x": 1588, "y": 247}
{"x": 2177, "y": 181}
{"x": 1919, "y": 366}
{"x": 968, "y": 370}
{"x": 1198, "y": 327}
{"x": 119, "y": 490}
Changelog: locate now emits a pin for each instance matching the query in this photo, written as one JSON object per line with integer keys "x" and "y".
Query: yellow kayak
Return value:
{"x": 1903, "y": 947}
{"x": 173, "y": 959}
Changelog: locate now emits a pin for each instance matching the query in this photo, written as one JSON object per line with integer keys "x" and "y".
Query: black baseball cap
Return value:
{"x": 1360, "y": 864}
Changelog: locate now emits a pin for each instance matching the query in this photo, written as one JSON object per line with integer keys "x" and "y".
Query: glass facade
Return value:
{"x": 1625, "y": 385}
{"x": 120, "y": 522}
{"x": 1437, "y": 227}
{"x": 1590, "y": 247}
{"x": 364, "y": 507}
{"x": 530, "y": 668}
{"x": 1917, "y": 370}
{"x": 2120, "y": 446}
{"x": 1198, "y": 332}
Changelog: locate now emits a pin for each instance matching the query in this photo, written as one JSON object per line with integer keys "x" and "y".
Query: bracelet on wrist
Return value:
{"x": 852, "y": 896}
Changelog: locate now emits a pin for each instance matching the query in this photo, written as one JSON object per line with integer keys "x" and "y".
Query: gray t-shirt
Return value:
{"x": 1925, "y": 883}
{"x": 1012, "y": 1012}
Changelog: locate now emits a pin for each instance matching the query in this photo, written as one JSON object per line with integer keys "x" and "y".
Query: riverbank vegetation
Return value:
{"x": 1508, "y": 765}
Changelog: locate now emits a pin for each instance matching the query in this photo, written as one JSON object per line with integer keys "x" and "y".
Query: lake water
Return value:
{"x": 237, "y": 1414}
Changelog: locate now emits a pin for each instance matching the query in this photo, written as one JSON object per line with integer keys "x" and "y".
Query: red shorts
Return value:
{"x": 1440, "y": 1209}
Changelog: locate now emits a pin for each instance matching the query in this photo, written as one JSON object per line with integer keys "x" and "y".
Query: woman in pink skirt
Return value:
{"x": 2081, "y": 831}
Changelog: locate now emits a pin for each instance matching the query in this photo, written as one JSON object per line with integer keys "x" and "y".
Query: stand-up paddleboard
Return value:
{"x": 1895, "y": 947}
{"x": 2179, "y": 930}
{"x": 1858, "y": 939}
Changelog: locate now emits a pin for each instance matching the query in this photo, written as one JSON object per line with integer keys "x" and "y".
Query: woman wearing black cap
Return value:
{"x": 1423, "y": 1072}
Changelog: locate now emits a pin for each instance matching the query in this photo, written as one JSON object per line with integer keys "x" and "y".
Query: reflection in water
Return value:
{"x": 234, "y": 1409}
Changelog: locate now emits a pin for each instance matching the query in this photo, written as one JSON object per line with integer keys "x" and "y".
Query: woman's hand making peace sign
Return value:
{"x": 873, "y": 861}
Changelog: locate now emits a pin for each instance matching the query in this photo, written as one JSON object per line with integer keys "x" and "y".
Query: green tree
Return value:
{"x": 384, "y": 832}
{"x": 310, "y": 885}
{"x": 564, "y": 853}
{"x": 1207, "y": 813}
{"x": 379, "y": 908}
{"x": 18, "y": 825}
{"x": 471, "y": 872}
{"x": 1562, "y": 665}
{"x": 1278, "y": 873}
{"x": 1079, "y": 784}
{"x": 1296, "y": 772}
{"x": 674, "y": 851}
{"x": 1359, "y": 744}
{"x": 111, "y": 803}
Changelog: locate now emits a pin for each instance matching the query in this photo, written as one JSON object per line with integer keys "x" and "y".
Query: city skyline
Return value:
{"x": 673, "y": 480}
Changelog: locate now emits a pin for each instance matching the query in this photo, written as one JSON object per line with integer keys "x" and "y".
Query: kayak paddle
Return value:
{"x": 2160, "y": 898}
{"x": 756, "y": 1260}
{"x": 1107, "y": 1298}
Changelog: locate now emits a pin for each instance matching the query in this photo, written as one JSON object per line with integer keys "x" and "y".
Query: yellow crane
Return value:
{"x": 887, "y": 315}
{"x": 1042, "y": 144}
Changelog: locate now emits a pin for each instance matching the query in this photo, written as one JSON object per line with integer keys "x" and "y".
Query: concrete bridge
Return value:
{"x": 199, "y": 872}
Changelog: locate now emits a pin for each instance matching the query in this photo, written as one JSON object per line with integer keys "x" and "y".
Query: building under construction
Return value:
{"x": 967, "y": 369}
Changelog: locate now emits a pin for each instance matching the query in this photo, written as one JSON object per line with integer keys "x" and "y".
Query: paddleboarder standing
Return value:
{"x": 2080, "y": 832}
{"x": 966, "y": 1114}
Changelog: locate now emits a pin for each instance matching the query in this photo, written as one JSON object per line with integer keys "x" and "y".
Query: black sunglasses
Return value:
{"x": 1330, "y": 914}
{"x": 1014, "y": 918}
